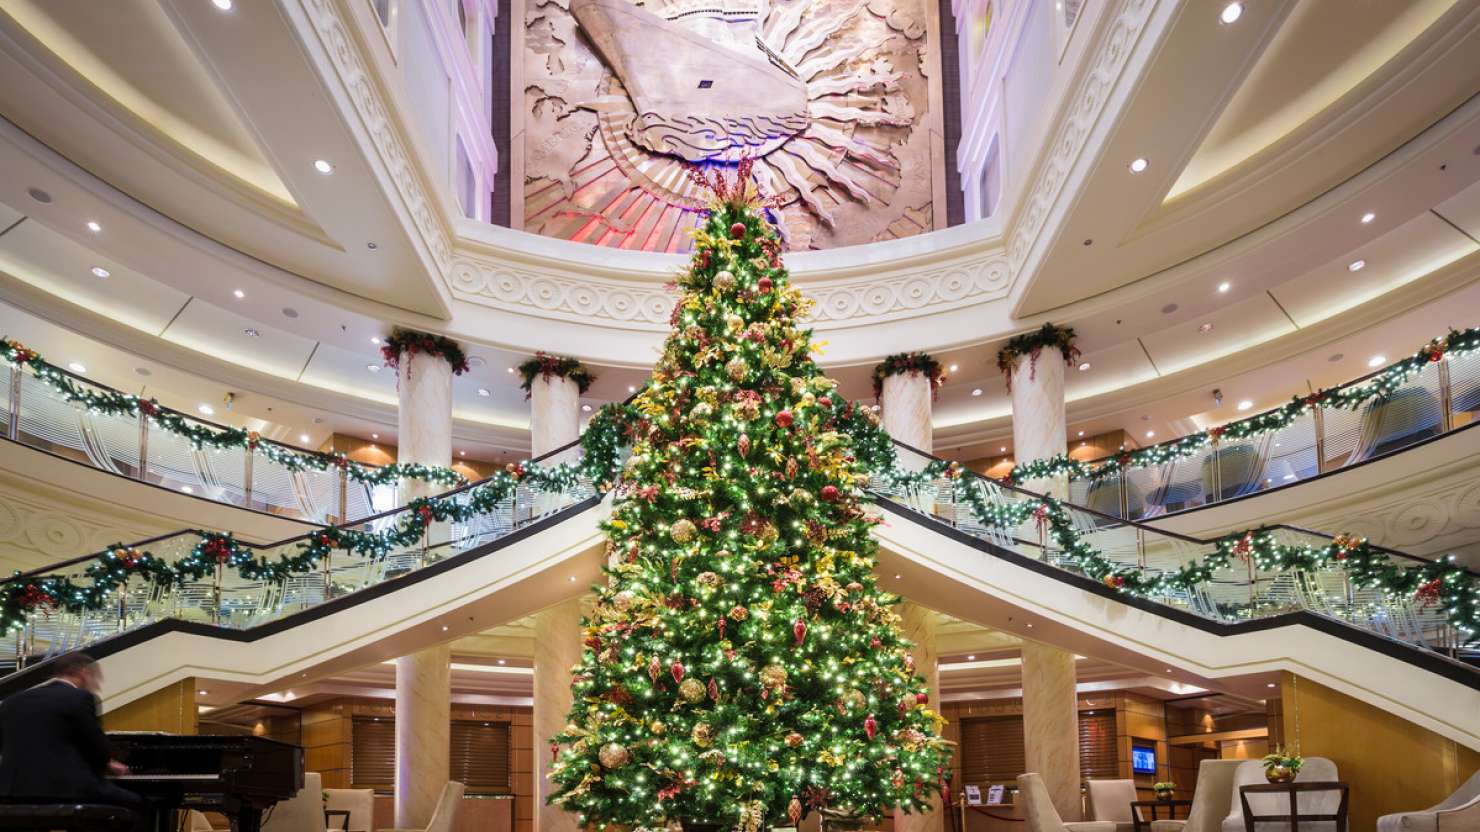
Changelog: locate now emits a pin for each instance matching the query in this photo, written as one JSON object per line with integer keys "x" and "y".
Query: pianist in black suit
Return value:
{"x": 52, "y": 745}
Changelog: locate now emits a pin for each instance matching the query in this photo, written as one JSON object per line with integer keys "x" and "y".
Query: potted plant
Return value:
{"x": 1163, "y": 790}
{"x": 1281, "y": 767}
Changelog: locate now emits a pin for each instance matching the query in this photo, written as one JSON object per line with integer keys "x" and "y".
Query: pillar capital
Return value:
{"x": 905, "y": 384}
{"x": 553, "y": 385}
{"x": 1034, "y": 365}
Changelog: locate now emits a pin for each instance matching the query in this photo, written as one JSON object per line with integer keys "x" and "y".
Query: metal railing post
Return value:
{"x": 1319, "y": 418}
{"x": 343, "y": 496}
{"x": 248, "y": 464}
{"x": 1125, "y": 497}
{"x": 13, "y": 423}
{"x": 1217, "y": 474}
{"x": 1446, "y": 396}
{"x": 216, "y": 592}
{"x": 143, "y": 446}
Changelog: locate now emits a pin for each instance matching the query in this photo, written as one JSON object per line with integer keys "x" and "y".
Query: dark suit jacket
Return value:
{"x": 52, "y": 743}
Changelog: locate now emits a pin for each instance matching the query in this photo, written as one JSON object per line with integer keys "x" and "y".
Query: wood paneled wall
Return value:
{"x": 170, "y": 709}
{"x": 1391, "y": 764}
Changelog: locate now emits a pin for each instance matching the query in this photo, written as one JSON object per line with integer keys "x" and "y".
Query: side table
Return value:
{"x": 1137, "y": 805}
{"x": 1294, "y": 816}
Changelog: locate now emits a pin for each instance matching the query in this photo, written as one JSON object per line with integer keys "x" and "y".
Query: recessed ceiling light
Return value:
{"x": 971, "y": 658}
{"x": 202, "y": 692}
{"x": 99, "y": 271}
{"x": 144, "y": 371}
{"x": 953, "y": 368}
{"x": 1083, "y": 366}
{"x": 462, "y": 453}
{"x": 444, "y": 628}
{"x": 93, "y": 226}
{"x": 1170, "y": 308}
{"x": 1003, "y": 449}
{"x": 1224, "y": 286}
{"x": 251, "y": 333}
{"x": 572, "y": 578}
{"x": 323, "y": 166}
{"x": 1150, "y": 433}
{"x": 375, "y": 339}
{"x": 39, "y": 195}
{"x": 77, "y": 367}
{"x": 1356, "y": 265}
{"x": 585, "y": 408}
{"x": 511, "y": 369}
{"x": 1368, "y": 217}
{"x": 1377, "y": 361}
{"x": 374, "y": 436}
{"x": 1337, "y": 356}
{"x": 483, "y": 391}
{"x": 223, "y": 5}
{"x": 1139, "y": 165}
{"x": 374, "y": 368}
{"x": 1081, "y": 433}
{"x": 205, "y": 409}
{"x": 303, "y": 437}
{"x": 1270, "y": 685}
{"x": 501, "y": 661}
{"x": 1205, "y": 328}
{"x": 1231, "y": 13}
{"x": 187, "y": 489}
{"x": 1245, "y": 404}
{"x": 631, "y": 389}
{"x": 289, "y": 312}
{"x": 897, "y": 577}
{"x": 238, "y": 293}
{"x": 976, "y": 392}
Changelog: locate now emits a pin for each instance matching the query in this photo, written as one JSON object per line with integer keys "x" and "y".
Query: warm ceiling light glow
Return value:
{"x": 501, "y": 661}
{"x": 1150, "y": 433}
{"x": 1231, "y": 12}
{"x": 631, "y": 389}
{"x": 1356, "y": 265}
{"x": 1083, "y": 366}
{"x": 483, "y": 391}
{"x": 1224, "y": 286}
{"x": 1139, "y": 165}
{"x": 374, "y": 368}
{"x": 374, "y": 436}
{"x": 953, "y": 368}
{"x": 976, "y": 392}
{"x": 303, "y": 437}
{"x": 323, "y": 166}
{"x": 1003, "y": 449}
{"x": 1377, "y": 361}
{"x": 205, "y": 409}
{"x": 585, "y": 408}
{"x": 971, "y": 658}
{"x": 1271, "y": 685}
{"x": 572, "y": 578}
{"x": 93, "y": 226}
{"x": 202, "y": 692}
{"x": 239, "y": 294}
{"x": 99, "y": 271}
{"x": 444, "y": 628}
{"x": 462, "y": 453}
{"x": 511, "y": 369}
{"x": 187, "y": 489}
{"x": 223, "y": 5}
{"x": 1245, "y": 404}
{"x": 1081, "y": 433}
{"x": 1368, "y": 217}
{"x": 375, "y": 339}
{"x": 897, "y": 577}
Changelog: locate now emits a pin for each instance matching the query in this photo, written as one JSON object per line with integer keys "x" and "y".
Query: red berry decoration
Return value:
{"x": 799, "y": 629}
{"x": 737, "y": 230}
{"x": 830, "y": 493}
{"x": 784, "y": 418}
{"x": 764, "y": 285}
{"x": 870, "y": 726}
{"x": 677, "y": 669}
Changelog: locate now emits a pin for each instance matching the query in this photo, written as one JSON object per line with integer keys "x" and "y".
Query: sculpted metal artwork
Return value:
{"x": 833, "y": 99}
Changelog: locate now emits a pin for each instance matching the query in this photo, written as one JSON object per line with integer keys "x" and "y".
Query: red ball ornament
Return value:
{"x": 830, "y": 493}
{"x": 784, "y": 418}
{"x": 764, "y": 285}
{"x": 737, "y": 230}
{"x": 922, "y": 698}
{"x": 677, "y": 670}
{"x": 870, "y": 726}
{"x": 799, "y": 629}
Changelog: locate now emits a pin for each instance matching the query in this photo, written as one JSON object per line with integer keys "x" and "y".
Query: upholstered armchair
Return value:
{"x": 445, "y": 813}
{"x": 1111, "y": 800}
{"x": 303, "y": 812}
{"x": 1043, "y": 817}
{"x": 360, "y": 803}
{"x": 1460, "y": 810}
{"x": 1250, "y": 772}
{"x": 1211, "y": 800}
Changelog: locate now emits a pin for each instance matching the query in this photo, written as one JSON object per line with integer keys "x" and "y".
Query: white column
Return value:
{"x": 554, "y": 414}
{"x": 918, "y": 625}
{"x": 1038, "y": 425}
{"x": 1051, "y": 724}
{"x": 423, "y": 679}
{"x": 557, "y": 646}
{"x": 906, "y": 402}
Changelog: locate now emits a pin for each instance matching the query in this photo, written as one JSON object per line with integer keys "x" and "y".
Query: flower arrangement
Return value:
{"x": 1032, "y": 344}
{"x": 912, "y": 363}
{"x": 546, "y": 365}
{"x": 409, "y": 341}
{"x": 1164, "y": 789}
{"x": 1282, "y": 766}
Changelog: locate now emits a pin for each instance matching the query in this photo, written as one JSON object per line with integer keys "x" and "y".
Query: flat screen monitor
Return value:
{"x": 1143, "y": 759}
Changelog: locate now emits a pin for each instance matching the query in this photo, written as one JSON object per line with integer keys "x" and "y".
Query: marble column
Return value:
{"x": 557, "y": 647}
{"x": 905, "y": 403}
{"x": 918, "y": 625}
{"x": 423, "y": 728}
{"x": 1038, "y": 422}
{"x": 554, "y": 414}
{"x": 1051, "y": 724}
{"x": 423, "y": 679}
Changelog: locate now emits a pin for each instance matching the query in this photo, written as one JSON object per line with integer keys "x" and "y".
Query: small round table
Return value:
{"x": 1294, "y": 816}
{"x": 1137, "y": 805}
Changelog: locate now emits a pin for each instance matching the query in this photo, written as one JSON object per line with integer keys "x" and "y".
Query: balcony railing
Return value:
{"x": 36, "y": 415}
{"x": 1242, "y": 592}
{"x": 1442, "y": 397}
{"x": 226, "y": 599}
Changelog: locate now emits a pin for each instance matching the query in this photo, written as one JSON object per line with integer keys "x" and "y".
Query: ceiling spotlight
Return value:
{"x": 202, "y": 692}
{"x": 251, "y": 333}
{"x": 1139, "y": 165}
{"x": 1368, "y": 217}
{"x": 572, "y": 578}
{"x": 1205, "y": 328}
{"x": 971, "y": 658}
{"x": 444, "y": 628}
{"x": 323, "y": 166}
{"x": 303, "y": 437}
{"x": 1271, "y": 685}
{"x": 205, "y": 409}
{"x": 374, "y": 368}
{"x": 462, "y": 453}
{"x": 239, "y": 294}
{"x": 897, "y": 577}
{"x": 631, "y": 389}
{"x": 1377, "y": 361}
{"x": 99, "y": 271}
{"x": 585, "y": 408}
{"x": 483, "y": 391}
{"x": 375, "y": 339}
{"x": 1150, "y": 433}
{"x": 77, "y": 367}
{"x": 976, "y": 392}
{"x": 1245, "y": 404}
{"x": 1356, "y": 265}
{"x": 1084, "y": 366}
{"x": 953, "y": 368}
{"x": 501, "y": 661}
{"x": 1224, "y": 286}
{"x": 374, "y": 436}
{"x": 1003, "y": 449}
{"x": 93, "y": 226}
{"x": 1081, "y": 433}
{"x": 1231, "y": 12}
{"x": 223, "y": 5}
{"x": 511, "y": 370}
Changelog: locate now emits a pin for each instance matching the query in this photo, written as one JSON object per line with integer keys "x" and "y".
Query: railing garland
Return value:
{"x": 1348, "y": 397}
{"x": 114, "y": 403}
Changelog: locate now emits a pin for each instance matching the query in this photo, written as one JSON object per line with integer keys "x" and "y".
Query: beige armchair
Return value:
{"x": 1111, "y": 800}
{"x": 1250, "y": 772}
{"x": 1212, "y": 800}
{"x": 446, "y": 812}
{"x": 1452, "y": 813}
{"x": 303, "y": 812}
{"x": 1043, "y": 817}
{"x": 360, "y": 803}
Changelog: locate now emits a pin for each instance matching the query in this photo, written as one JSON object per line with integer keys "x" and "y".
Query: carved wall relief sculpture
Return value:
{"x": 836, "y": 100}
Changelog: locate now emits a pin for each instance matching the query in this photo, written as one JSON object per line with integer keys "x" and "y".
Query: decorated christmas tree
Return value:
{"x": 741, "y": 667}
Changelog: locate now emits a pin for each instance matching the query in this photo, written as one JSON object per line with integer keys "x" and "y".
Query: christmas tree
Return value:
{"x": 741, "y": 667}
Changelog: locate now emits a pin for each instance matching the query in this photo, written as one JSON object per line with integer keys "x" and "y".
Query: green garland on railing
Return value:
{"x": 1384, "y": 383}
{"x": 546, "y": 365}
{"x": 112, "y": 403}
{"x": 602, "y": 444}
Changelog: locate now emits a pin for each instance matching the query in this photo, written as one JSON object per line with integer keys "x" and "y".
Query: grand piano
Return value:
{"x": 238, "y": 776}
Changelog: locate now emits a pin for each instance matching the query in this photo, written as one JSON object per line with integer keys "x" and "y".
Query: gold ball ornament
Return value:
{"x": 702, "y": 735}
{"x": 709, "y": 579}
{"x": 736, "y": 369}
{"x": 614, "y": 755}
{"x": 624, "y": 600}
{"x": 683, "y": 531}
{"x": 691, "y": 690}
{"x": 854, "y": 698}
{"x": 724, "y": 281}
{"x": 658, "y": 728}
{"x": 773, "y": 676}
